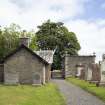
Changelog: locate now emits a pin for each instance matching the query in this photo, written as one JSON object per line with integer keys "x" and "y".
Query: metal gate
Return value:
{"x": 56, "y": 74}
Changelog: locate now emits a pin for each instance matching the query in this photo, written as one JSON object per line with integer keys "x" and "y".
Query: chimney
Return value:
{"x": 24, "y": 39}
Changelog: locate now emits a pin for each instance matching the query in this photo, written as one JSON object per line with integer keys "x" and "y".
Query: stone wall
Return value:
{"x": 23, "y": 68}
{"x": 70, "y": 63}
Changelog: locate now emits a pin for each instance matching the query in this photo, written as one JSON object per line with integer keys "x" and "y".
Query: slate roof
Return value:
{"x": 29, "y": 50}
{"x": 46, "y": 55}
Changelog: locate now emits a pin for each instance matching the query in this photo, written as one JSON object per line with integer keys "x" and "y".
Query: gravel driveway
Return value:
{"x": 75, "y": 95}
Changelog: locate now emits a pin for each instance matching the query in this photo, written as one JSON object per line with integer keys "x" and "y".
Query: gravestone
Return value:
{"x": 36, "y": 79}
{"x": 80, "y": 73}
{"x": 82, "y": 76}
{"x": 102, "y": 71}
{"x": 79, "y": 68}
{"x": 93, "y": 73}
{"x": 89, "y": 74}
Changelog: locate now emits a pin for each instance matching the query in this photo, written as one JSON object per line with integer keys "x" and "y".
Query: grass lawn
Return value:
{"x": 98, "y": 91}
{"x": 30, "y": 95}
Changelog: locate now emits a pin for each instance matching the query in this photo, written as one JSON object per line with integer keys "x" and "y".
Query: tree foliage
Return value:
{"x": 9, "y": 39}
{"x": 33, "y": 45}
{"x": 51, "y": 34}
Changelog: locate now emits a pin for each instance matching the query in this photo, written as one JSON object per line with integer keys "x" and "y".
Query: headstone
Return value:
{"x": 89, "y": 74}
{"x": 102, "y": 71}
{"x": 93, "y": 73}
{"x": 36, "y": 79}
{"x": 80, "y": 73}
{"x": 82, "y": 76}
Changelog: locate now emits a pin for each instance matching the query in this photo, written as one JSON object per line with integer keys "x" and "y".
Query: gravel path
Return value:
{"x": 75, "y": 95}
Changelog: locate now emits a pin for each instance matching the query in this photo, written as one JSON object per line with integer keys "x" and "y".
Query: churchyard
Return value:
{"x": 80, "y": 70}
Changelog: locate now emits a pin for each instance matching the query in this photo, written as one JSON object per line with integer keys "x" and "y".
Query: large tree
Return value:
{"x": 53, "y": 35}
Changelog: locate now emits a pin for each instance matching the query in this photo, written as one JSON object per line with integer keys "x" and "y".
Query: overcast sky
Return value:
{"x": 84, "y": 17}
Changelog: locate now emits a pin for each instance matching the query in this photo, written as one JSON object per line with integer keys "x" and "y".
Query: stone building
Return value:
{"x": 23, "y": 66}
{"x": 70, "y": 63}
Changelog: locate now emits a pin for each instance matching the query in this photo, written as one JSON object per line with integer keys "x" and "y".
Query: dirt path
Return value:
{"x": 75, "y": 95}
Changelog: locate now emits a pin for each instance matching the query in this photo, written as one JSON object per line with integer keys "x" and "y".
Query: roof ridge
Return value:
{"x": 28, "y": 49}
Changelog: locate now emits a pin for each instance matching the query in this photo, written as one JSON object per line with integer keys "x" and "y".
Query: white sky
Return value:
{"x": 80, "y": 16}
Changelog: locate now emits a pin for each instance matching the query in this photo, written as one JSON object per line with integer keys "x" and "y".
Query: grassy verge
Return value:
{"x": 30, "y": 95}
{"x": 97, "y": 91}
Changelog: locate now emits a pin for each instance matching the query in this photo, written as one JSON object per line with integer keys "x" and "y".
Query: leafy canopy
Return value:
{"x": 9, "y": 39}
{"x": 51, "y": 35}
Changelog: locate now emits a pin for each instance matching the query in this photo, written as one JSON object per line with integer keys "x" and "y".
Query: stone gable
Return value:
{"x": 22, "y": 67}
